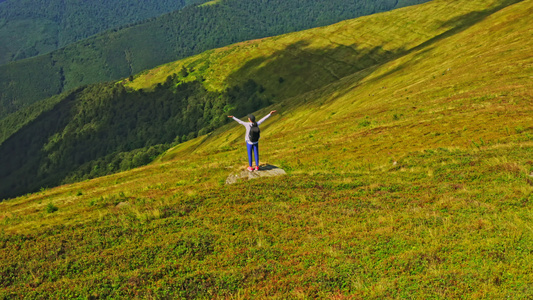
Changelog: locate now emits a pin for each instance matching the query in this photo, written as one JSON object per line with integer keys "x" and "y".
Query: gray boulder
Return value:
{"x": 122, "y": 205}
{"x": 264, "y": 171}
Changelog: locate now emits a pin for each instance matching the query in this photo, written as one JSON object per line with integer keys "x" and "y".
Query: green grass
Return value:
{"x": 408, "y": 179}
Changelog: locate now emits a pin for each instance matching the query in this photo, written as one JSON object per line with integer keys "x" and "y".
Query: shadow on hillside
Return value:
{"x": 281, "y": 73}
{"x": 20, "y": 148}
{"x": 298, "y": 68}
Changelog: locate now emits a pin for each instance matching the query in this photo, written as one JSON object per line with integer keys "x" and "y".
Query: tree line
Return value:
{"x": 34, "y": 27}
{"x": 105, "y": 128}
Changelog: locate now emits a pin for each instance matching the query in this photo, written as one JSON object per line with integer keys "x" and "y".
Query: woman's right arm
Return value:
{"x": 240, "y": 122}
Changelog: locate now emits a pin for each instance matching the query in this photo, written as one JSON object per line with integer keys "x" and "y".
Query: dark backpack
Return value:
{"x": 254, "y": 133}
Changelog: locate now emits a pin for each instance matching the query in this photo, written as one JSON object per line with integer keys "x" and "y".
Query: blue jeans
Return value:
{"x": 253, "y": 148}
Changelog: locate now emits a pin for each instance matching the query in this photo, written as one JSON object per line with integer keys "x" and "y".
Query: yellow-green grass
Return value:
{"x": 408, "y": 179}
{"x": 210, "y": 3}
{"x": 316, "y": 57}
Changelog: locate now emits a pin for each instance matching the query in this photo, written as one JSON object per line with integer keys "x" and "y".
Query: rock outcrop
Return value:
{"x": 264, "y": 171}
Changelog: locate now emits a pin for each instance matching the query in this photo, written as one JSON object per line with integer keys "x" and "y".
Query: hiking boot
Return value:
{"x": 257, "y": 168}
{"x": 250, "y": 169}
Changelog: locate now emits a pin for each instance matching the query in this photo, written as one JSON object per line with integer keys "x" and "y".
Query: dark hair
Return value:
{"x": 252, "y": 118}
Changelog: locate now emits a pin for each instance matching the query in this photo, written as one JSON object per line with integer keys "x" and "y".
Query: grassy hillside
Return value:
{"x": 120, "y": 53}
{"x": 295, "y": 63}
{"x": 409, "y": 179}
{"x": 89, "y": 133}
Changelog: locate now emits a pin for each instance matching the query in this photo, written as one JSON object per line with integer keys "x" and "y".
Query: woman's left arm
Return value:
{"x": 265, "y": 117}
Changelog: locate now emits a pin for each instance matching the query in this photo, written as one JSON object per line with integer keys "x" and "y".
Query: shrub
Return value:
{"x": 51, "y": 208}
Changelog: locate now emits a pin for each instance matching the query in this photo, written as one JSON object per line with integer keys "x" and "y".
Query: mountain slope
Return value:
{"x": 121, "y": 53}
{"x": 106, "y": 128}
{"x": 31, "y": 28}
{"x": 81, "y": 137}
{"x": 409, "y": 180}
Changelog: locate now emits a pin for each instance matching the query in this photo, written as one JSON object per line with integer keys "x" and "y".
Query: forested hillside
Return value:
{"x": 106, "y": 128}
{"x": 33, "y": 27}
{"x": 194, "y": 29}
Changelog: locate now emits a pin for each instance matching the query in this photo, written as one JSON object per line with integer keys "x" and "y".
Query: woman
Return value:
{"x": 252, "y": 137}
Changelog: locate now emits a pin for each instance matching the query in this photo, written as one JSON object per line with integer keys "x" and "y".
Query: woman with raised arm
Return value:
{"x": 252, "y": 137}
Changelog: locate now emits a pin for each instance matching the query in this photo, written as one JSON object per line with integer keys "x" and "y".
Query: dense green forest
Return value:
{"x": 104, "y": 128}
{"x": 121, "y": 53}
{"x": 33, "y": 27}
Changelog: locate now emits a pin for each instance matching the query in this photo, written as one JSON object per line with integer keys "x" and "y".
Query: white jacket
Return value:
{"x": 248, "y": 125}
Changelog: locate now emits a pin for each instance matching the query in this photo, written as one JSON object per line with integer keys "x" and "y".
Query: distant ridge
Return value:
{"x": 121, "y": 53}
